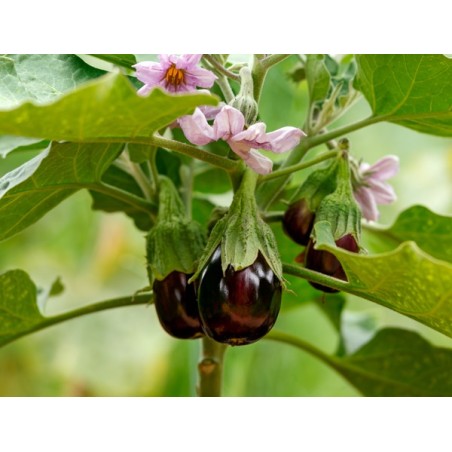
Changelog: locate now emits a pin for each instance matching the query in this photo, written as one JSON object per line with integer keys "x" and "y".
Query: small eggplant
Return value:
{"x": 176, "y": 306}
{"x": 238, "y": 307}
{"x": 326, "y": 263}
{"x": 298, "y": 221}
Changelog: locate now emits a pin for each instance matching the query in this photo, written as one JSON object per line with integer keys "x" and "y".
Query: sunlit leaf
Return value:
{"x": 431, "y": 232}
{"x": 40, "y": 78}
{"x": 411, "y": 90}
{"x": 116, "y": 177}
{"x": 399, "y": 363}
{"x": 105, "y": 109}
{"x": 406, "y": 280}
{"x": 20, "y": 314}
{"x": 9, "y": 143}
{"x": 30, "y": 191}
{"x": 124, "y": 60}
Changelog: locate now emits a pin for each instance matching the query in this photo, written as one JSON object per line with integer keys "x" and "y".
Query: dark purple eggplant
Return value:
{"x": 298, "y": 221}
{"x": 176, "y": 305}
{"x": 239, "y": 307}
{"x": 326, "y": 263}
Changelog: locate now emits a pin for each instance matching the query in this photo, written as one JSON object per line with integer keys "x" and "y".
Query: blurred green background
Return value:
{"x": 124, "y": 352}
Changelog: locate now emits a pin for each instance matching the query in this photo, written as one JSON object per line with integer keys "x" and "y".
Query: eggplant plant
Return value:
{"x": 161, "y": 140}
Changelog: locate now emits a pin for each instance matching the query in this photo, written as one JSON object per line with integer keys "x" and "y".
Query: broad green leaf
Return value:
{"x": 105, "y": 109}
{"x": 9, "y": 143}
{"x": 406, "y": 280}
{"x": 211, "y": 180}
{"x": 411, "y": 90}
{"x": 116, "y": 177}
{"x": 124, "y": 60}
{"x": 139, "y": 153}
{"x": 431, "y": 232}
{"x": 18, "y": 305}
{"x": 318, "y": 77}
{"x": 398, "y": 363}
{"x": 40, "y": 78}
{"x": 20, "y": 314}
{"x": 30, "y": 191}
{"x": 393, "y": 363}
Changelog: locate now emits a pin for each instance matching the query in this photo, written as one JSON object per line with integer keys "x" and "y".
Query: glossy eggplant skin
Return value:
{"x": 176, "y": 305}
{"x": 240, "y": 307}
{"x": 298, "y": 221}
{"x": 326, "y": 263}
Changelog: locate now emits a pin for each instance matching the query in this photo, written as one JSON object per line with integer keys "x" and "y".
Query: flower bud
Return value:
{"x": 244, "y": 101}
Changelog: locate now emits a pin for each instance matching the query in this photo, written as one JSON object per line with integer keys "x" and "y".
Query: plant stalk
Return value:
{"x": 210, "y": 368}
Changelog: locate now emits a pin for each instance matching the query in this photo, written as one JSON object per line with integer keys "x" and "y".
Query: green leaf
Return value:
{"x": 394, "y": 363}
{"x": 139, "y": 153}
{"x": 18, "y": 305}
{"x": 20, "y": 315}
{"x": 116, "y": 177}
{"x": 431, "y": 232}
{"x": 30, "y": 191}
{"x": 40, "y": 78}
{"x": 406, "y": 280}
{"x": 399, "y": 363}
{"x": 124, "y": 60}
{"x": 105, "y": 109}
{"x": 318, "y": 77}
{"x": 414, "y": 91}
{"x": 9, "y": 143}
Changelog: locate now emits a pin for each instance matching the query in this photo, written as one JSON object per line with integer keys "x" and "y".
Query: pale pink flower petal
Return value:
{"x": 258, "y": 162}
{"x": 371, "y": 188}
{"x": 228, "y": 123}
{"x": 229, "y": 126}
{"x": 149, "y": 72}
{"x": 284, "y": 139}
{"x": 196, "y": 128}
{"x": 383, "y": 193}
{"x": 174, "y": 73}
{"x": 368, "y": 205}
{"x": 385, "y": 168}
{"x": 199, "y": 76}
{"x": 255, "y": 134}
{"x": 190, "y": 60}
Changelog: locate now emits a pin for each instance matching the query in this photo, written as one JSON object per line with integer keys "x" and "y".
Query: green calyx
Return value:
{"x": 244, "y": 101}
{"x": 339, "y": 209}
{"x": 242, "y": 234}
{"x": 318, "y": 184}
{"x": 175, "y": 243}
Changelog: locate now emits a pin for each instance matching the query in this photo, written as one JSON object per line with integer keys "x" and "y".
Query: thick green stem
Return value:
{"x": 226, "y": 89}
{"x": 133, "y": 300}
{"x": 259, "y": 72}
{"x": 316, "y": 277}
{"x": 218, "y": 67}
{"x": 270, "y": 191}
{"x": 192, "y": 151}
{"x": 210, "y": 368}
{"x": 271, "y": 60}
{"x": 300, "y": 166}
{"x": 325, "y": 137}
{"x": 299, "y": 343}
{"x": 122, "y": 195}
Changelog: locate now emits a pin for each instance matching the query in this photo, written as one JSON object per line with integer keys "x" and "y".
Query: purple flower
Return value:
{"x": 229, "y": 125}
{"x": 370, "y": 187}
{"x": 176, "y": 74}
